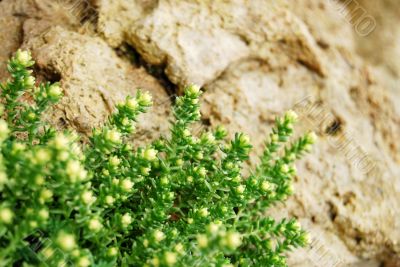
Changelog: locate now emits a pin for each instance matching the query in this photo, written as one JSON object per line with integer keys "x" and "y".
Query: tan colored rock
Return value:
{"x": 386, "y": 35}
{"x": 11, "y": 19}
{"x": 116, "y": 16}
{"x": 197, "y": 41}
{"x": 256, "y": 59}
{"x": 94, "y": 80}
{"x": 325, "y": 21}
{"x": 14, "y": 13}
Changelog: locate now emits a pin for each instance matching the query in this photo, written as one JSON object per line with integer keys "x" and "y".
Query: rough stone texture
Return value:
{"x": 93, "y": 77}
{"x": 10, "y": 32}
{"x": 387, "y": 35}
{"x": 185, "y": 41}
{"x": 14, "y": 13}
{"x": 94, "y": 80}
{"x": 255, "y": 59}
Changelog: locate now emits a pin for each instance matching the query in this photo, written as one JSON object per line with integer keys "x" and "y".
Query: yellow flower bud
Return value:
{"x": 204, "y": 212}
{"x": 186, "y": 133}
{"x": 54, "y": 91}
{"x": 47, "y": 252}
{"x": 66, "y": 241}
{"x": 33, "y": 224}
{"x": 179, "y": 248}
{"x": 274, "y": 138}
{"x": 61, "y": 142}
{"x": 145, "y": 171}
{"x": 109, "y": 200}
{"x": 24, "y": 58}
{"x": 233, "y": 240}
{"x": 240, "y": 189}
{"x": 31, "y": 116}
{"x": 3, "y": 179}
{"x": 95, "y": 225}
{"x": 164, "y": 180}
{"x": 126, "y": 185}
{"x": 291, "y": 116}
{"x": 155, "y": 262}
{"x": 202, "y": 240}
{"x": 114, "y": 161}
{"x": 244, "y": 139}
{"x": 266, "y": 186}
{"x": 87, "y": 197}
{"x": 46, "y": 195}
{"x": 6, "y": 215}
{"x": 42, "y": 156}
{"x": 29, "y": 82}
{"x": 126, "y": 220}
{"x": 113, "y": 136}
{"x": 202, "y": 171}
{"x": 150, "y": 154}
{"x": 213, "y": 228}
{"x": 296, "y": 226}
{"x": 112, "y": 252}
{"x": 290, "y": 189}
{"x": 284, "y": 168}
{"x": 311, "y": 137}
{"x": 193, "y": 89}
{"x": 208, "y": 138}
{"x": 83, "y": 262}
{"x": 158, "y": 235}
{"x": 131, "y": 103}
{"x": 4, "y": 131}
{"x": 199, "y": 155}
{"x": 43, "y": 214}
{"x": 170, "y": 258}
{"x": 75, "y": 171}
{"x": 145, "y": 99}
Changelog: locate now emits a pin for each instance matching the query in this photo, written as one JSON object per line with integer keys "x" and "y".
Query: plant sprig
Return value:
{"x": 179, "y": 201}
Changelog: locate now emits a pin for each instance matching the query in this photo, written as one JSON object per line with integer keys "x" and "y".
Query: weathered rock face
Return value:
{"x": 94, "y": 80}
{"x": 255, "y": 59}
{"x": 92, "y": 75}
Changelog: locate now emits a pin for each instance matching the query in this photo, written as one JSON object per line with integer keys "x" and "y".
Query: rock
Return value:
{"x": 93, "y": 77}
{"x": 14, "y": 13}
{"x": 179, "y": 35}
{"x": 11, "y": 19}
{"x": 94, "y": 80}
{"x": 255, "y": 59}
{"x": 386, "y": 35}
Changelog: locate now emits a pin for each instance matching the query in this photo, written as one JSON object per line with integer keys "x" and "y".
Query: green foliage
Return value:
{"x": 180, "y": 201}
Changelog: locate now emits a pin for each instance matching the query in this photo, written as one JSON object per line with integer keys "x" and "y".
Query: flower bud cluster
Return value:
{"x": 27, "y": 118}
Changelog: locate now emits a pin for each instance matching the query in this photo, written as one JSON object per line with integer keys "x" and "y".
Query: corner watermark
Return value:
{"x": 363, "y": 23}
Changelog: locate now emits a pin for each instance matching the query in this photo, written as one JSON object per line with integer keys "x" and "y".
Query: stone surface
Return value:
{"x": 255, "y": 59}
{"x": 14, "y": 14}
{"x": 196, "y": 41}
{"x": 10, "y": 32}
{"x": 95, "y": 79}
